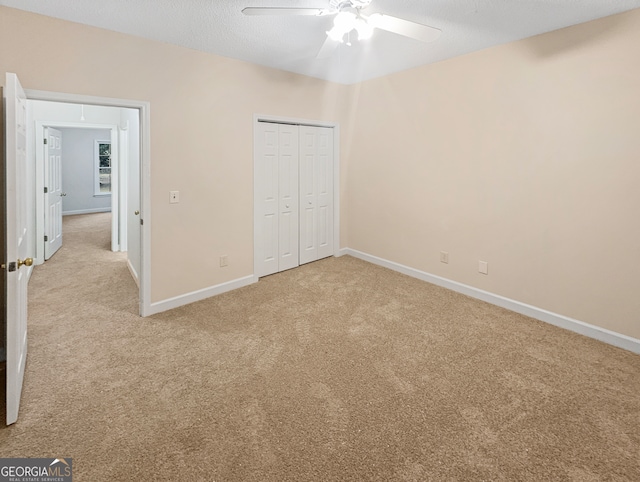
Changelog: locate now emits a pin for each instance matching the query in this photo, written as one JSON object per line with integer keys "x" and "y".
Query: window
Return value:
{"x": 103, "y": 168}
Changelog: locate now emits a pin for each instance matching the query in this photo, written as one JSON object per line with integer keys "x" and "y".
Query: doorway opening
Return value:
{"x": 24, "y": 191}
{"x": 127, "y": 123}
{"x": 69, "y": 162}
{"x": 83, "y": 167}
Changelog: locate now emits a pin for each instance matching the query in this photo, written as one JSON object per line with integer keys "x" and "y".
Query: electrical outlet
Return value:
{"x": 174, "y": 197}
{"x": 483, "y": 267}
{"x": 444, "y": 257}
{"x": 224, "y": 261}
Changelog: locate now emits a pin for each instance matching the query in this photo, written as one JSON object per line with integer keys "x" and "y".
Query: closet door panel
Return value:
{"x": 289, "y": 198}
{"x": 266, "y": 191}
{"x": 316, "y": 193}
{"x": 308, "y": 195}
{"x": 324, "y": 183}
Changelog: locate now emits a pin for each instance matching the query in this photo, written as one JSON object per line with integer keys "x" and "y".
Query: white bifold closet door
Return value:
{"x": 316, "y": 193}
{"x": 277, "y": 189}
{"x": 294, "y": 165}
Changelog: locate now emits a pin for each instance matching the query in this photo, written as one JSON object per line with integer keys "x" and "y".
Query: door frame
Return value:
{"x": 145, "y": 175}
{"x": 116, "y": 227}
{"x": 336, "y": 177}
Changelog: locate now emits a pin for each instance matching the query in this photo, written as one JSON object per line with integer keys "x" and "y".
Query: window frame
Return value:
{"x": 96, "y": 167}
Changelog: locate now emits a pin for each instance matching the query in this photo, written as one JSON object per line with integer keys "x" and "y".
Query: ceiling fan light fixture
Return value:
{"x": 365, "y": 31}
{"x": 347, "y": 21}
{"x": 342, "y": 24}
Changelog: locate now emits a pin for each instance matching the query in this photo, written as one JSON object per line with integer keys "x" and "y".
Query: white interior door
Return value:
{"x": 133, "y": 196}
{"x": 266, "y": 193}
{"x": 316, "y": 193}
{"x": 324, "y": 187}
{"x": 53, "y": 191}
{"x": 276, "y": 151}
{"x": 276, "y": 180}
{"x": 17, "y": 261}
{"x": 288, "y": 197}
{"x": 293, "y": 169}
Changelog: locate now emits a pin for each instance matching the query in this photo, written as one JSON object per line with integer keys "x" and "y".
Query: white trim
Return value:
{"x": 145, "y": 174}
{"x": 336, "y": 188}
{"x": 96, "y": 167}
{"x": 86, "y": 211}
{"x": 171, "y": 303}
{"x": 592, "y": 331}
{"x": 336, "y": 174}
{"x": 123, "y": 195}
{"x": 145, "y": 208}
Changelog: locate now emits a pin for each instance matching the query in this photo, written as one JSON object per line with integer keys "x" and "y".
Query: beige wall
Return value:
{"x": 202, "y": 110}
{"x": 526, "y": 156}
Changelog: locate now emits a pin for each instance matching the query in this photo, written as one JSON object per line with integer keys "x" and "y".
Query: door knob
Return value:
{"x": 63, "y": 194}
{"x": 136, "y": 212}
{"x": 287, "y": 206}
{"x": 26, "y": 262}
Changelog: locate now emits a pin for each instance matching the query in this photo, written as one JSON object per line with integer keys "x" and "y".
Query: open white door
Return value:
{"x": 53, "y": 191}
{"x": 17, "y": 262}
{"x": 132, "y": 215}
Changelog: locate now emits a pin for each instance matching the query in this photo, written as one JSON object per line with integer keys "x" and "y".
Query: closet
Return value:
{"x": 293, "y": 195}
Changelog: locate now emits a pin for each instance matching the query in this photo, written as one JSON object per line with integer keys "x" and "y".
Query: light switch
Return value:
{"x": 174, "y": 197}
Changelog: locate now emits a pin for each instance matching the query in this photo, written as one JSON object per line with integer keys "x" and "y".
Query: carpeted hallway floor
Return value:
{"x": 337, "y": 370}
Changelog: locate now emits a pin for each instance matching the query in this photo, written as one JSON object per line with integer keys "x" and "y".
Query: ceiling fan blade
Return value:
{"x": 283, "y": 11}
{"x": 328, "y": 47}
{"x": 417, "y": 31}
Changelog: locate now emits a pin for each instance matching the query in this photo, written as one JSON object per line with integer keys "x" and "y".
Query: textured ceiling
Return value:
{"x": 291, "y": 43}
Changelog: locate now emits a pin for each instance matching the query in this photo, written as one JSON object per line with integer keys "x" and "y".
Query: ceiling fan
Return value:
{"x": 349, "y": 18}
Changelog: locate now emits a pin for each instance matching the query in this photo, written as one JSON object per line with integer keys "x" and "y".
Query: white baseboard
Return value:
{"x": 171, "y": 303}
{"x": 592, "y": 331}
{"x": 87, "y": 211}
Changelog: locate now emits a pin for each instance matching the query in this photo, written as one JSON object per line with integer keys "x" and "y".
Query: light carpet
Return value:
{"x": 337, "y": 370}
